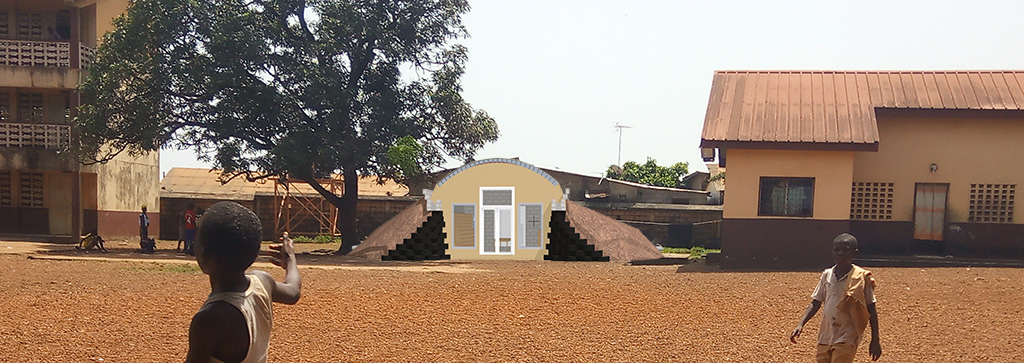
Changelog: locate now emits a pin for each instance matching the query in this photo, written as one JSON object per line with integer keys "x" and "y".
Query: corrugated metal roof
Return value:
{"x": 838, "y": 107}
{"x": 204, "y": 184}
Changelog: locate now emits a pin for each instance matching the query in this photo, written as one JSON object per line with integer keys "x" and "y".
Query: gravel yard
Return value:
{"x": 514, "y": 311}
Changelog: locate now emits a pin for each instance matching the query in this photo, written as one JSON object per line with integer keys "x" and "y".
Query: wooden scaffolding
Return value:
{"x": 296, "y": 202}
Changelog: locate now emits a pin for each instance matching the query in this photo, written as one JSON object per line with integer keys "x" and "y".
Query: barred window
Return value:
{"x": 6, "y": 189}
{"x": 991, "y": 203}
{"x": 30, "y": 108}
{"x": 871, "y": 201}
{"x": 31, "y": 189}
{"x": 531, "y": 223}
{"x": 5, "y": 107}
{"x": 4, "y": 32}
{"x": 30, "y": 26}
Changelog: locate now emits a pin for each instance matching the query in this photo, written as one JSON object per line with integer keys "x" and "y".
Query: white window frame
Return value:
{"x": 497, "y": 221}
{"x": 475, "y": 237}
{"x": 521, "y": 227}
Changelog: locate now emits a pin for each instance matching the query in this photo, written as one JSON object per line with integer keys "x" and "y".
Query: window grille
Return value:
{"x": 6, "y": 188}
{"x": 497, "y": 197}
{"x": 30, "y": 108}
{"x": 4, "y": 25}
{"x": 992, "y": 203}
{"x": 532, "y": 221}
{"x": 31, "y": 189}
{"x": 871, "y": 201}
{"x": 30, "y": 26}
{"x": 5, "y": 108}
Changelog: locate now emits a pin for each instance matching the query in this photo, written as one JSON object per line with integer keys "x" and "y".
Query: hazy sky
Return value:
{"x": 557, "y": 75}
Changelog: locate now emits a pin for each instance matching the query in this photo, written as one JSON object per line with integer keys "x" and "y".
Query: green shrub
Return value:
{"x": 695, "y": 251}
{"x": 320, "y": 238}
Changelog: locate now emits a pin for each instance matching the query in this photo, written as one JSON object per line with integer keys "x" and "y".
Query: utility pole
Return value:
{"x": 620, "y": 127}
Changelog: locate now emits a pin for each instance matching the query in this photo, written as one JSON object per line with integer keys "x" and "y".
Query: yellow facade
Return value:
{"x": 965, "y": 151}
{"x": 832, "y": 172}
{"x": 464, "y": 187}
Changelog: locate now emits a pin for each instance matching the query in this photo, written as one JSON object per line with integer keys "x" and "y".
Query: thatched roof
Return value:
{"x": 617, "y": 240}
{"x": 392, "y": 232}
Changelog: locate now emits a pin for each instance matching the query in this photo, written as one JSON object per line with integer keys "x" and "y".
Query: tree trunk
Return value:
{"x": 346, "y": 205}
{"x": 347, "y": 213}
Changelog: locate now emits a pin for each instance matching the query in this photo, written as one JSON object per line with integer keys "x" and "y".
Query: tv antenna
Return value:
{"x": 620, "y": 127}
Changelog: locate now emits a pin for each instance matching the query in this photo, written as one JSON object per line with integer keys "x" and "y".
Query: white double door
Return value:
{"x": 497, "y": 230}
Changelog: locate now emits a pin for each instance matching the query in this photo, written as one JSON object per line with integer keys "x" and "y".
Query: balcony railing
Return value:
{"x": 47, "y": 136}
{"x": 32, "y": 53}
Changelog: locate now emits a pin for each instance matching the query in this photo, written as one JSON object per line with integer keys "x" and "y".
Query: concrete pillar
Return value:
{"x": 75, "y": 100}
{"x": 76, "y": 38}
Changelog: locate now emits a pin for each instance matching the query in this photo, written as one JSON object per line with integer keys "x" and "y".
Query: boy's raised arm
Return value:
{"x": 283, "y": 255}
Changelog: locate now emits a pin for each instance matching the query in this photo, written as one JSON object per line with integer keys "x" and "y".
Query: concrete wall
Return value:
{"x": 123, "y": 185}
{"x": 106, "y": 12}
{"x": 57, "y": 199}
{"x": 667, "y": 225}
{"x": 464, "y": 188}
{"x": 39, "y": 77}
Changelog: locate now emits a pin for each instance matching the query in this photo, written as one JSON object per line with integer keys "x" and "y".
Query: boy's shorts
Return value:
{"x": 836, "y": 353}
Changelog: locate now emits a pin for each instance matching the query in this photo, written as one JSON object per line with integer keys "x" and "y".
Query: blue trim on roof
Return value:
{"x": 499, "y": 160}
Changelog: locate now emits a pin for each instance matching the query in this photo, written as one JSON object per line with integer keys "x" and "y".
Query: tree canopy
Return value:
{"x": 650, "y": 173}
{"x": 291, "y": 88}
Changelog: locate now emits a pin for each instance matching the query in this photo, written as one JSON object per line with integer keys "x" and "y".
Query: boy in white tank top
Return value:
{"x": 234, "y": 324}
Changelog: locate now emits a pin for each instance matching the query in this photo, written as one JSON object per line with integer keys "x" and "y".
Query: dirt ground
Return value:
{"x": 108, "y": 310}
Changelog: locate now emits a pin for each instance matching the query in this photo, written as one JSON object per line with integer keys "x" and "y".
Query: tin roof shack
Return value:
{"x": 586, "y": 188}
{"x": 671, "y": 217}
{"x": 503, "y": 209}
{"x": 908, "y": 161}
{"x": 296, "y": 208}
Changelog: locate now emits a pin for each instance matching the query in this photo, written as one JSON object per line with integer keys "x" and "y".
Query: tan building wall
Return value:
{"x": 464, "y": 188}
{"x": 966, "y": 151}
{"x": 57, "y": 200}
{"x": 832, "y": 172}
{"x": 106, "y": 12}
{"x": 123, "y": 186}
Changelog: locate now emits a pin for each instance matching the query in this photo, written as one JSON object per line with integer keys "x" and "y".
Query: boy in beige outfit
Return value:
{"x": 847, "y": 293}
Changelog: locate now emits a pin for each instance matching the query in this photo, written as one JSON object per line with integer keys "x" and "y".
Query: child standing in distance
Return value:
{"x": 234, "y": 324}
{"x": 847, "y": 292}
{"x": 191, "y": 219}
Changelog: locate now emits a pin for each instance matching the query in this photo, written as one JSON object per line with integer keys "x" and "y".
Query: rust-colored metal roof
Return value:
{"x": 193, "y": 183}
{"x": 836, "y": 109}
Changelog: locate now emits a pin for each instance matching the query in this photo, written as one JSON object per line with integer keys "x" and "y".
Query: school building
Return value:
{"x": 910, "y": 162}
{"x": 45, "y": 49}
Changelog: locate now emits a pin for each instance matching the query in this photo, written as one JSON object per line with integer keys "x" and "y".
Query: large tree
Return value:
{"x": 291, "y": 88}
